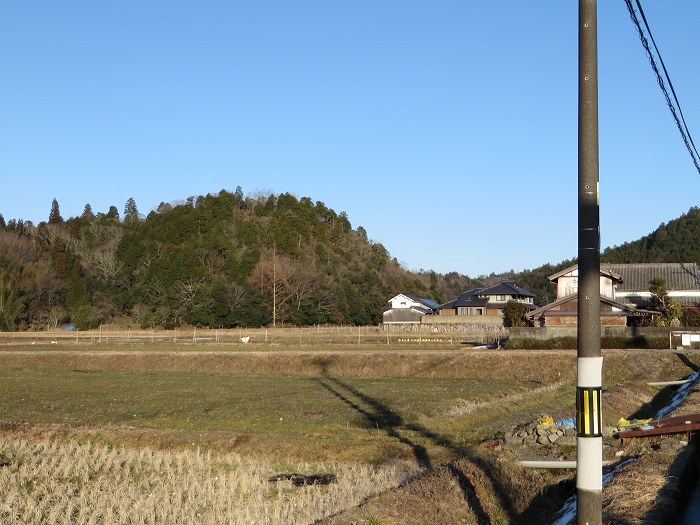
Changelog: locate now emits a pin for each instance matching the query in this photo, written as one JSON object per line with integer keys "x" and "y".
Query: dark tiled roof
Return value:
{"x": 636, "y": 277}
{"x": 506, "y": 288}
{"x": 466, "y": 299}
{"x": 478, "y": 296}
{"x": 627, "y": 310}
{"x": 427, "y": 302}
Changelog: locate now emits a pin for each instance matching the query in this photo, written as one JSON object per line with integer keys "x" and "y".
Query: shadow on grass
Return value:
{"x": 381, "y": 416}
{"x": 687, "y": 362}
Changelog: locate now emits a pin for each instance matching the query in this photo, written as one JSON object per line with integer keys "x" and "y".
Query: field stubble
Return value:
{"x": 400, "y": 410}
{"x": 55, "y": 483}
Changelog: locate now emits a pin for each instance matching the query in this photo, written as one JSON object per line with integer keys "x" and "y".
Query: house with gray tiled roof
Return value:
{"x": 488, "y": 301}
{"x": 682, "y": 282}
{"x": 614, "y": 309}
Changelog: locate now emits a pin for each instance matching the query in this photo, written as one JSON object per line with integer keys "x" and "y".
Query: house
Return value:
{"x": 564, "y": 310}
{"x": 682, "y": 282}
{"x": 405, "y": 308}
{"x": 488, "y": 301}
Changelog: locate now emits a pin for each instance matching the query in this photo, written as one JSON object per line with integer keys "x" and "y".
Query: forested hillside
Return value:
{"x": 677, "y": 241}
{"x": 231, "y": 260}
{"x": 220, "y": 260}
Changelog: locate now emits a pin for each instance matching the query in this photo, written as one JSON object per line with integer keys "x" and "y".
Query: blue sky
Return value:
{"x": 447, "y": 129}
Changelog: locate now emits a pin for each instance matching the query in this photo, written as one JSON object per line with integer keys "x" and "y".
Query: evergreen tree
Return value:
{"x": 55, "y": 214}
{"x": 670, "y": 310}
{"x": 514, "y": 314}
{"x": 113, "y": 213}
{"x": 87, "y": 213}
{"x": 131, "y": 212}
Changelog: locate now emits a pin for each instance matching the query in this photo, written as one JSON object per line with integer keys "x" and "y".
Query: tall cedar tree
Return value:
{"x": 55, "y": 214}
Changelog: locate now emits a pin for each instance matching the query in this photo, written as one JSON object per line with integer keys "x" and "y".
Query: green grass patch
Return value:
{"x": 379, "y": 419}
{"x": 371, "y": 406}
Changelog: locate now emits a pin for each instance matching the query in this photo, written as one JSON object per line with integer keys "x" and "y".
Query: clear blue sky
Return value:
{"x": 447, "y": 129}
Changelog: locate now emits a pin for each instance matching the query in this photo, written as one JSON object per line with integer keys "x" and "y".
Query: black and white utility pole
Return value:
{"x": 589, "y": 455}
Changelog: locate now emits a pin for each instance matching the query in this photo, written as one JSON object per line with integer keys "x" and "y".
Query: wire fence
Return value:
{"x": 319, "y": 334}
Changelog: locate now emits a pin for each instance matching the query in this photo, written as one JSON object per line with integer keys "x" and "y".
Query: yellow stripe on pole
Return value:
{"x": 588, "y": 412}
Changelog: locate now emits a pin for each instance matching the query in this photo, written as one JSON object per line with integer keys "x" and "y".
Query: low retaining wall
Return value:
{"x": 549, "y": 332}
{"x": 475, "y": 321}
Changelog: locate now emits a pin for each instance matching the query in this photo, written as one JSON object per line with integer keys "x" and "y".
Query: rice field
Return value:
{"x": 103, "y": 434}
{"x": 58, "y": 483}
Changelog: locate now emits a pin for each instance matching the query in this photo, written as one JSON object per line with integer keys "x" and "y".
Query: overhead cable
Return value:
{"x": 675, "y": 108}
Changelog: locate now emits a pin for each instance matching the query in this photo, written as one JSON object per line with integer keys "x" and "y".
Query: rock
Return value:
{"x": 566, "y": 441}
{"x": 553, "y": 438}
{"x": 513, "y": 440}
{"x": 609, "y": 431}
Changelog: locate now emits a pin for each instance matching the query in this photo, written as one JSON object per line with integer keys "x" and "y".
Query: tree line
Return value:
{"x": 229, "y": 259}
{"x": 222, "y": 260}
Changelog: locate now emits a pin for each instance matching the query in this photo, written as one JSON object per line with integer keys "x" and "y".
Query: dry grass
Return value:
{"x": 463, "y": 407}
{"x": 632, "y": 490}
{"x": 51, "y": 482}
{"x": 386, "y": 405}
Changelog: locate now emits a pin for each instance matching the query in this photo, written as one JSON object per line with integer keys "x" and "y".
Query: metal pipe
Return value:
{"x": 552, "y": 464}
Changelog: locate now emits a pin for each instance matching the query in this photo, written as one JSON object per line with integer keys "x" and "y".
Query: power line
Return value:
{"x": 680, "y": 122}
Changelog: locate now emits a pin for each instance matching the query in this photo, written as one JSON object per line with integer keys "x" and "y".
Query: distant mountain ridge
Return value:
{"x": 678, "y": 241}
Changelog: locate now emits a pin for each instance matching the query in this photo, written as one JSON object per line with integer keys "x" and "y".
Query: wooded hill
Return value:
{"x": 231, "y": 260}
{"x": 220, "y": 260}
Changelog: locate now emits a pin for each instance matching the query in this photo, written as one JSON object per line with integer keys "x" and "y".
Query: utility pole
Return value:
{"x": 589, "y": 464}
{"x": 274, "y": 285}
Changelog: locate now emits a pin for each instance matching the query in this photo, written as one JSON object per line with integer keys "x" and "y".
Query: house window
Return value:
{"x": 479, "y": 311}
{"x": 500, "y": 298}
{"x": 573, "y": 286}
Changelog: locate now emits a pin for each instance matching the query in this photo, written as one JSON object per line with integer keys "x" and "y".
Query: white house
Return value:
{"x": 408, "y": 309}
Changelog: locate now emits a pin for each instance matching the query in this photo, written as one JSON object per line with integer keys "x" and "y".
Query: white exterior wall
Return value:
{"x": 568, "y": 284}
{"x": 401, "y": 301}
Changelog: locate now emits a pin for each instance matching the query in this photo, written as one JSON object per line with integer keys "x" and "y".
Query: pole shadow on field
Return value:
{"x": 687, "y": 362}
{"x": 383, "y": 417}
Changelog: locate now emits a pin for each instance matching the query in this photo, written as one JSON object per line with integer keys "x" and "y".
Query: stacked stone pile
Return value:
{"x": 541, "y": 432}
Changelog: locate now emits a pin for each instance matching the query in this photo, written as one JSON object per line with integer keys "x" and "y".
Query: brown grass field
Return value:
{"x": 159, "y": 432}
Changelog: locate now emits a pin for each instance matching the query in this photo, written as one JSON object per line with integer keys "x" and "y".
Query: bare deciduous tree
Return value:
{"x": 186, "y": 291}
